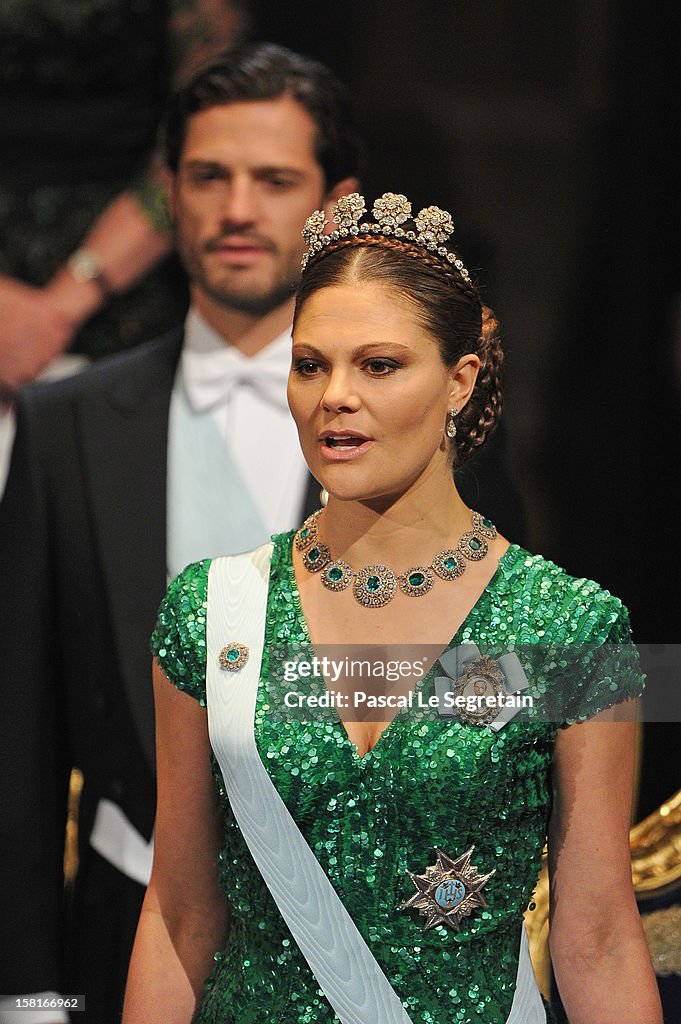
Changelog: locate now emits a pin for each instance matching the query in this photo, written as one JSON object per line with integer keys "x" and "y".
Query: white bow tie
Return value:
{"x": 212, "y": 380}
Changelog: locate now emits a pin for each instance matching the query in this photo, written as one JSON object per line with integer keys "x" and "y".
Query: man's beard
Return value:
{"x": 254, "y": 298}
{"x": 255, "y": 302}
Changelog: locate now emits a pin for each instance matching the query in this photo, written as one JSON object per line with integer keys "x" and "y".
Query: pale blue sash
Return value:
{"x": 209, "y": 508}
{"x": 344, "y": 966}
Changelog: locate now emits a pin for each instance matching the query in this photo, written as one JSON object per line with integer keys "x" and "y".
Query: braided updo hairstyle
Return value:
{"x": 447, "y": 306}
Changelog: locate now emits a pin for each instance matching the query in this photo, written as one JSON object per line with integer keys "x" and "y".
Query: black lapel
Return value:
{"x": 125, "y": 438}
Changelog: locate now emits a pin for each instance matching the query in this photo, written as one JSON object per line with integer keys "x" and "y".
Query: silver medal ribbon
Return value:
{"x": 457, "y": 659}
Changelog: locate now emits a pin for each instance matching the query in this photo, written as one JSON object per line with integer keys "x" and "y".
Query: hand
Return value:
{"x": 33, "y": 331}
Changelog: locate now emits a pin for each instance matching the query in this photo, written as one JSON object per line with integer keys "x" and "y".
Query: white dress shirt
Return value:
{"x": 248, "y": 398}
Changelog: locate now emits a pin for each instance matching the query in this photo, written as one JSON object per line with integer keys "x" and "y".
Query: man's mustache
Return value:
{"x": 240, "y": 238}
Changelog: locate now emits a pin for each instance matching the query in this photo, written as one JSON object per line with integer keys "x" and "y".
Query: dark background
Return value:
{"x": 550, "y": 132}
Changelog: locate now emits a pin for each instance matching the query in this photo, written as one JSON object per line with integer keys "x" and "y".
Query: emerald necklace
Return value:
{"x": 374, "y": 585}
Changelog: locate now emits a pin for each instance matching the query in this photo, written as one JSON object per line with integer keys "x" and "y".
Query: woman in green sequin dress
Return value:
{"x": 389, "y": 338}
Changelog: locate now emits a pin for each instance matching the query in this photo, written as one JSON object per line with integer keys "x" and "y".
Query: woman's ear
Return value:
{"x": 463, "y": 377}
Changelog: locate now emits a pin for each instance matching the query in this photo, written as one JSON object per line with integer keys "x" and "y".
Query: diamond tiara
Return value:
{"x": 433, "y": 226}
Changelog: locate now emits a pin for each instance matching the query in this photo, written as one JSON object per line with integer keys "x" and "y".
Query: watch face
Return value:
{"x": 85, "y": 266}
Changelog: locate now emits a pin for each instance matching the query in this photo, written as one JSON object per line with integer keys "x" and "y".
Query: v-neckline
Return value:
{"x": 489, "y": 588}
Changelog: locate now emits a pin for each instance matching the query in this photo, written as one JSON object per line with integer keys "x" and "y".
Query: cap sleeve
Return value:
{"x": 605, "y": 668}
{"x": 179, "y": 639}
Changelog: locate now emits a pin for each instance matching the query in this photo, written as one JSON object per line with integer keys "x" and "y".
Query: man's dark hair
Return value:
{"x": 264, "y": 71}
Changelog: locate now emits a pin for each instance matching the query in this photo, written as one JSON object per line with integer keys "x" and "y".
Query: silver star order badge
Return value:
{"x": 448, "y": 891}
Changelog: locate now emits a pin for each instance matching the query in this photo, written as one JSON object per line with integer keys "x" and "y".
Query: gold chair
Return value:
{"x": 656, "y": 871}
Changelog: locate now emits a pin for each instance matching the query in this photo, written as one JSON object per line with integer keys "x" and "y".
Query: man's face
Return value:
{"x": 247, "y": 180}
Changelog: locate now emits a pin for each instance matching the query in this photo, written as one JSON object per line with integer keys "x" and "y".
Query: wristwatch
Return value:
{"x": 86, "y": 266}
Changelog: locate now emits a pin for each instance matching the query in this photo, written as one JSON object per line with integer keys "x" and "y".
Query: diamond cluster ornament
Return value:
{"x": 233, "y": 656}
{"x": 448, "y": 891}
{"x": 337, "y": 576}
{"x": 433, "y": 226}
{"x": 483, "y": 525}
{"x": 417, "y": 581}
{"x": 314, "y": 227}
{"x": 308, "y": 532}
{"x": 391, "y": 210}
{"x": 449, "y": 564}
{"x": 374, "y": 585}
{"x": 317, "y": 557}
{"x": 348, "y": 210}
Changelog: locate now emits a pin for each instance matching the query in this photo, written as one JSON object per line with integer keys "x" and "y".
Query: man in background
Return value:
{"x": 180, "y": 449}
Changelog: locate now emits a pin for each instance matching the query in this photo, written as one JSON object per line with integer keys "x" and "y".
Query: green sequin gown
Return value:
{"x": 434, "y": 783}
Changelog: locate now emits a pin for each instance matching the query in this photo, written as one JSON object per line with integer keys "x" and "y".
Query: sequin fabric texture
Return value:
{"x": 431, "y": 782}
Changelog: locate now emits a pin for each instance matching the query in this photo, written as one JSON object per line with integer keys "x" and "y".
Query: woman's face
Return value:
{"x": 369, "y": 392}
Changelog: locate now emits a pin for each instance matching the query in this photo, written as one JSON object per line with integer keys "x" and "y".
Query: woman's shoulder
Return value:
{"x": 179, "y": 638}
{"x": 187, "y": 594}
{"x": 582, "y": 622}
{"x": 279, "y": 543}
{"x": 563, "y": 607}
{"x": 189, "y": 589}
